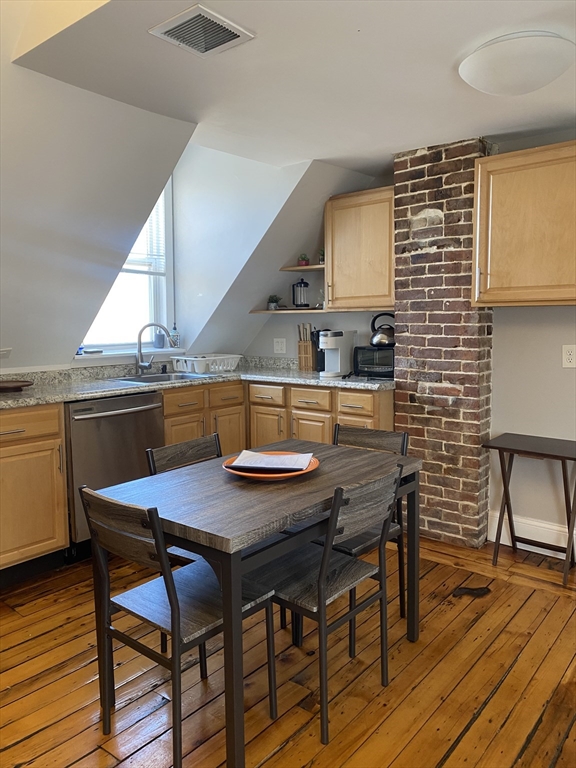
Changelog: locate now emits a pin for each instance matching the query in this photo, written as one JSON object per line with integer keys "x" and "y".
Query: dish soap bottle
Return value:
{"x": 175, "y": 335}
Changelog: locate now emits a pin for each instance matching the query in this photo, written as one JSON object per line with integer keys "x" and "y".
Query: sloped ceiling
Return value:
{"x": 349, "y": 82}
{"x": 80, "y": 175}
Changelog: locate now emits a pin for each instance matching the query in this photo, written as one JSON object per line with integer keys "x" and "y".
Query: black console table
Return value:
{"x": 537, "y": 448}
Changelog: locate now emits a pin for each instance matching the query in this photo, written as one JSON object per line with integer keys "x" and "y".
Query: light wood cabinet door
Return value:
{"x": 34, "y": 519}
{"x": 182, "y": 428}
{"x": 311, "y": 426}
{"x": 525, "y": 227}
{"x": 230, "y": 423}
{"x": 358, "y": 238}
{"x": 267, "y": 425}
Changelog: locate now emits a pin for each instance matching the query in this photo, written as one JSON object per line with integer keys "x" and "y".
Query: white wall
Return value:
{"x": 80, "y": 174}
{"x": 237, "y": 222}
{"x": 533, "y": 395}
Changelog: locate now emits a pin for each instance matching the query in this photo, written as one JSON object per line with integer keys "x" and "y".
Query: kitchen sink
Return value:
{"x": 150, "y": 378}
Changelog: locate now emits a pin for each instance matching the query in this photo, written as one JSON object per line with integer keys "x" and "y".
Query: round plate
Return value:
{"x": 270, "y": 476}
{"x": 14, "y": 386}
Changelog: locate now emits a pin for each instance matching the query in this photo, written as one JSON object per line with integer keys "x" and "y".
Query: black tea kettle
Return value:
{"x": 382, "y": 335}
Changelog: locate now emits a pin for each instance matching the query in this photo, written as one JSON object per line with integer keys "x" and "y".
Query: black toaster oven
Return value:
{"x": 375, "y": 362}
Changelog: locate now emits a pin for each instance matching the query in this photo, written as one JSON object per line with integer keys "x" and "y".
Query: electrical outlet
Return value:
{"x": 5, "y": 352}
{"x": 569, "y": 356}
{"x": 280, "y": 346}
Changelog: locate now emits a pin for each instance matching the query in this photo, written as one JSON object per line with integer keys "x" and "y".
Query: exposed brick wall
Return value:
{"x": 443, "y": 345}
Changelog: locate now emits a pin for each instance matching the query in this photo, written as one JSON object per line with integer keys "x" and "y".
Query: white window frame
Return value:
{"x": 159, "y": 300}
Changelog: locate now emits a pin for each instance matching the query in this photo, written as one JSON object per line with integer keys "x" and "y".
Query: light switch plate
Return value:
{"x": 280, "y": 346}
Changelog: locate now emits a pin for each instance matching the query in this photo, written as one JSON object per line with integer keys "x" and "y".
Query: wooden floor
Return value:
{"x": 491, "y": 682}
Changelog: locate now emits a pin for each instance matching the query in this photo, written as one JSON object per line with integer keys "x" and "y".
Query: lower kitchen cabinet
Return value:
{"x": 33, "y": 503}
{"x": 178, "y": 429}
{"x": 311, "y": 426}
{"x": 311, "y": 412}
{"x": 230, "y": 423}
{"x": 191, "y": 412}
{"x": 267, "y": 425}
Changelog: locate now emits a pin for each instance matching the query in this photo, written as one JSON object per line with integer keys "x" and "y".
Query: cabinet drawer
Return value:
{"x": 185, "y": 400}
{"x": 356, "y": 403}
{"x": 265, "y": 394}
{"x": 232, "y": 394}
{"x": 25, "y": 423}
{"x": 311, "y": 399}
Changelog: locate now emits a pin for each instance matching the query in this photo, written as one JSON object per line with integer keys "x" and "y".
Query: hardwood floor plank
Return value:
{"x": 545, "y": 742}
{"x": 484, "y": 626}
{"x": 508, "y": 742}
{"x": 494, "y": 672}
{"x": 567, "y": 756}
{"x": 359, "y": 708}
{"x": 86, "y": 740}
{"x": 527, "y": 631}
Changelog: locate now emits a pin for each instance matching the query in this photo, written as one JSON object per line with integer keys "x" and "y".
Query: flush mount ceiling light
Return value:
{"x": 518, "y": 63}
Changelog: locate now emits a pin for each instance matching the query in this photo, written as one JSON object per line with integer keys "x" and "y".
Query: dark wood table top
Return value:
{"x": 531, "y": 445}
{"x": 207, "y": 505}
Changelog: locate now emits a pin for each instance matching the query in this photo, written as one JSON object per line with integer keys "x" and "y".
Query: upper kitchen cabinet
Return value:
{"x": 525, "y": 227}
{"x": 358, "y": 239}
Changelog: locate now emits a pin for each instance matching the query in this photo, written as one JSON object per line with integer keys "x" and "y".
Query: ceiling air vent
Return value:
{"x": 201, "y": 31}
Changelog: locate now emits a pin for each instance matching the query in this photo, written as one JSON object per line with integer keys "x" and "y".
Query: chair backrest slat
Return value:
{"x": 181, "y": 454}
{"x": 121, "y": 529}
{"x": 366, "y": 506}
{"x": 374, "y": 439}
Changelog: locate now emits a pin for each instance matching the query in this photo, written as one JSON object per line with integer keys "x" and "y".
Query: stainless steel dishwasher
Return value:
{"x": 106, "y": 445}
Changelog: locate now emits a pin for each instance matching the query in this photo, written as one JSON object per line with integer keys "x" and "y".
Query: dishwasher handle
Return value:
{"x": 119, "y": 412}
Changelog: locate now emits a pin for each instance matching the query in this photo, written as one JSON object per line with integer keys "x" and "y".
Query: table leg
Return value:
{"x": 233, "y": 671}
{"x": 413, "y": 560}
{"x": 570, "y": 542}
{"x": 505, "y": 505}
{"x": 569, "y": 507}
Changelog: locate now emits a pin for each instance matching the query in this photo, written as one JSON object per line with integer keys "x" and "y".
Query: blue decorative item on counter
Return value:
{"x": 175, "y": 335}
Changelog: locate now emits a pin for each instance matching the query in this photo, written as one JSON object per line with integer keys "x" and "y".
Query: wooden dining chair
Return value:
{"x": 309, "y": 579}
{"x": 169, "y": 457}
{"x": 185, "y": 604}
{"x": 367, "y": 541}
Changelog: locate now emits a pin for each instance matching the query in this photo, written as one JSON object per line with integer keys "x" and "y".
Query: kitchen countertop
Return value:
{"x": 89, "y": 390}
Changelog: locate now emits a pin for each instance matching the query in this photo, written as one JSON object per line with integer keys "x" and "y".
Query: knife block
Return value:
{"x": 305, "y": 356}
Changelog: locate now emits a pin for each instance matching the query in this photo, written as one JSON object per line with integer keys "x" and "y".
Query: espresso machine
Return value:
{"x": 338, "y": 349}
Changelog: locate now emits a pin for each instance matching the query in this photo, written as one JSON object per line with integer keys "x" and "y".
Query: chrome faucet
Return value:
{"x": 141, "y": 366}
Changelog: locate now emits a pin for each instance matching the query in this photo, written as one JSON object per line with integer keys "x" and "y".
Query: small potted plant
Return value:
{"x": 321, "y": 256}
{"x": 303, "y": 260}
{"x": 273, "y": 301}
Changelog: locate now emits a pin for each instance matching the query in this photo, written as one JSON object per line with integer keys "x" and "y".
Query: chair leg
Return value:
{"x": 383, "y": 626}
{"x": 323, "y": 662}
{"x": 283, "y": 618}
{"x": 352, "y": 625}
{"x": 176, "y": 704}
{"x": 203, "y": 661}
{"x": 297, "y": 629}
{"x": 163, "y": 642}
{"x": 272, "y": 693}
{"x": 107, "y": 671}
{"x": 401, "y": 576}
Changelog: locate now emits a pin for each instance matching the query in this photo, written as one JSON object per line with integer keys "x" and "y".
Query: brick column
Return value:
{"x": 443, "y": 345}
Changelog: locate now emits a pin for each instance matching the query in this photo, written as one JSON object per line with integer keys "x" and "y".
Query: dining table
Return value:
{"x": 236, "y": 523}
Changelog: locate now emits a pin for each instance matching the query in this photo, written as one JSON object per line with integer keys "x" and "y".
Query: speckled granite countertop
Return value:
{"x": 70, "y": 391}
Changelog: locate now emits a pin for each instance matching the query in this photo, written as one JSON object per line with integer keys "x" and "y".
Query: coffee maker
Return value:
{"x": 338, "y": 349}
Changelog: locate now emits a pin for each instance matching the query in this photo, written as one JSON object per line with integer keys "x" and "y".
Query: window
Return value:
{"x": 143, "y": 292}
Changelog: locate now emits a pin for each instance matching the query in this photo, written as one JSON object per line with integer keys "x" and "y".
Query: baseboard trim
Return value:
{"x": 539, "y": 530}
